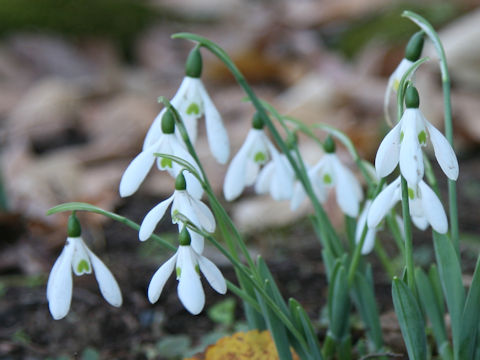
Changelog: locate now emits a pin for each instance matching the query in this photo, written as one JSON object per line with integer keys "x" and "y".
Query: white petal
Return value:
{"x": 194, "y": 187}
{"x": 190, "y": 289}
{"x": 59, "y": 286}
{"x": 106, "y": 282}
{"x": 284, "y": 177}
{"x": 216, "y": 132}
{"x": 388, "y": 152}
{"x": 443, "y": 152}
{"x": 154, "y": 133}
{"x": 347, "y": 188}
{"x": 369, "y": 241}
{"x": 136, "y": 171}
{"x": 264, "y": 179}
{"x": 204, "y": 215}
{"x": 386, "y": 100}
{"x": 298, "y": 196}
{"x": 80, "y": 260}
{"x": 382, "y": 204}
{"x": 234, "y": 182}
{"x": 212, "y": 274}
{"x": 433, "y": 209}
{"x": 160, "y": 278}
{"x": 152, "y": 218}
{"x": 420, "y": 222}
{"x": 197, "y": 241}
{"x": 411, "y": 157}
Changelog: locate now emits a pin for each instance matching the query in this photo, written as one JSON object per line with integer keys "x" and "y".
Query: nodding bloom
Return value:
{"x": 245, "y": 166}
{"x": 425, "y": 207}
{"x": 188, "y": 265}
{"x": 167, "y": 143}
{"x": 277, "y": 177}
{"x": 329, "y": 172}
{"x": 192, "y": 102}
{"x": 412, "y": 54}
{"x": 77, "y": 257}
{"x": 403, "y": 144}
{"x": 182, "y": 203}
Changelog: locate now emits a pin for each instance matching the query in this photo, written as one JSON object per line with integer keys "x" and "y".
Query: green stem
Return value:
{"x": 408, "y": 238}
{"x": 452, "y": 189}
{"x": 384, "y": 259}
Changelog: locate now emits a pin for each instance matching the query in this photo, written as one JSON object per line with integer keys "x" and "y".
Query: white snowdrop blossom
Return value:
{"x": 245, "y": 166}
{"x": 393, "y": 83}
{"x": 425, "y": 207}
{"x": 192, "y": 102}
{"x": 182, "y": 203}
{"x": 188, "y": 265}
{"x": 77, "y": 257}
{"x": 403, "y": 144}
{"x": 277, "y": 177}
{"x": 329, "y": 172}
{"x": 166, "y": 143}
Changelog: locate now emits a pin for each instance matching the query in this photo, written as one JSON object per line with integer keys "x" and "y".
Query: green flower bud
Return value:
{"x": 412, "y": 100}
{"x": 414, "y": 47}
{"x": 184, "y": 237}
{"x": 194, "y": 64}
{"x": 329, "y": 145}
{"x": 73, "y": 228}
{"x": 168, "y": 122}
{"x": 180, "y": 183}
{"x": 257, "y": 122}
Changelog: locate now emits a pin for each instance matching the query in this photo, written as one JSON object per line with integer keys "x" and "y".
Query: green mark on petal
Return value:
{"x": 401, "y": 136}
{"x": 83, "y": 266}
{"x": 193, "y": 108}
{"x": 411, "y": 193}
{"x": 197, "y": 269}
{"x": 396, "y": 83}
{"x": 164, "y": 162}
{"x": 178, "y": 271}
{"x": 260, "y": 157}
{"x": 422, "y": 137}
{"x": 327, "y": 179}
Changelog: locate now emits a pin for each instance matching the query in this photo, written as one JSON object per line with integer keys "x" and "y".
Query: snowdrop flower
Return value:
{"x": 277, "y": 177}
{"x": 412, "y": 54}
{"x": 182, "y": 203}
{"x": 192, "y": 102}
{"x": 329, "y": 172}
{"x": 425, "y": 207}
{"x": 403, "y": 144}
{"x": 188, "y": 265}
{"x": 167, "y": 143}
{"x": 78, "y": 257}
{"x": 245, "y": 166}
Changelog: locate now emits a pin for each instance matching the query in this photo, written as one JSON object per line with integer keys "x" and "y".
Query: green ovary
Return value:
{"x": 260, "y": 157}
{"x": 193, "y": 108}
{"x": 83, "y": 266}
{"x": 327, "y": 179}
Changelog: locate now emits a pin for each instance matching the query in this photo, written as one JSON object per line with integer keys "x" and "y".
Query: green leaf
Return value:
{"x": 272, "y": 288}
{"x": 470, "y": 319}
{"x": 410, "y": 319}
{"x": 173, "y": 345}
{"x": 339, "y": 304}
{"x": 223, "y": 312}
{"x": 434, "y": 313}
{"x": 451, "y": 279}
{"x": 364, "y": 299}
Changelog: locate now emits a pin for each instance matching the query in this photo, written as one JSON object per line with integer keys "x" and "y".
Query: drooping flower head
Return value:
{"x": 188, "y": 206}
{"x": 77, "y": 257}
{"x": 166, "y": 143}
{"x": 187, "y": 264}
{"x": 192, "y": 102}
{"x": 413, "y": 51}
{"x": 245, "y": 166}
{"x": 328, "y": 173}
{"x": 425, "y": 206}
{"x": 403, "y": 144}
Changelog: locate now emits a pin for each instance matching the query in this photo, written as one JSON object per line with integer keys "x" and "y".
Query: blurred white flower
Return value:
{"x": 245, "y": 166}
{"x": 329, "y": 172}
{"x": 425, "y": 207}
{"x": 78, "y": 257}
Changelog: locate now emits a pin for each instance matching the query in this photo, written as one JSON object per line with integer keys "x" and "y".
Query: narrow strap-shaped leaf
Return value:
{"x": 273, "y": 288}
{"x": 434, "y": 313}
{"x": 434, "y": 278}
{"x": 328, "y": 261}
{"x": 471, "y": 315}
{"x": 451, "y": 279}
{"x": 364, "y": 300}
{"x": 339, "y": 304}
{"x": 410, "y": 319}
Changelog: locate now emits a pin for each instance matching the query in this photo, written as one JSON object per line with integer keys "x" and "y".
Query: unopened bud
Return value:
{"x": 414, "y": 47}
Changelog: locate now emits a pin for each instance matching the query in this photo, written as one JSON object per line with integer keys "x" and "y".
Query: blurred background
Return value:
{"x": 79, "y": 82}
